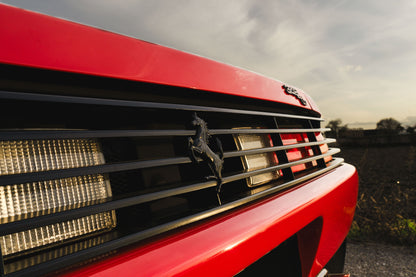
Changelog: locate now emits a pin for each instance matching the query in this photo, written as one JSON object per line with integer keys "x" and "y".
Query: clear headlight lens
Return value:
{"x": 22, "y": 201}
{"x": 257, "y": 161}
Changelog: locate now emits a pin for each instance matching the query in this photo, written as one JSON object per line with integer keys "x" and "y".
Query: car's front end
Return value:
{"x": 121, "y": 157}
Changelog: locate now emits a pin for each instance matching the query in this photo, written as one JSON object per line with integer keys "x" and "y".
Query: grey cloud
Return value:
{"x": 353, "y": 50}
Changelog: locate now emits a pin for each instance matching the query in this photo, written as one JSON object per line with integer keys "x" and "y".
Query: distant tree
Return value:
{"x": 390, "y": 125}
{"x": 344, "y": 128}
{"x": 334, "y": 124}
{"x": 337, "y": 127}
{"x": 410, "y": 129}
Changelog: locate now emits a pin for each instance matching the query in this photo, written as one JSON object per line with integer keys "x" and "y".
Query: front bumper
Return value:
{"x": 225, "y": 245}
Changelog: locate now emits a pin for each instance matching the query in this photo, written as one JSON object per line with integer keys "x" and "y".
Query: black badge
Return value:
{"x": 198, "y": 147}
{"x": 295, "y": 93}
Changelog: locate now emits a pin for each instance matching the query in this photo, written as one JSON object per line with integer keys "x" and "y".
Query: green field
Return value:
{"x": 386, "y": 209}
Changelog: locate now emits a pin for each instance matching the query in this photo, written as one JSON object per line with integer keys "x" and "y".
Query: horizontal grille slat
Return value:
{"x": 265, "y": 131}
{"x": 244, "y": 175}
{"x": 88, "y": 170}
{"x": 70, "y": 134}
{"x": 275, "y": 148}
{"x": 17, "y": 226}
{"x": 139, "y": 104}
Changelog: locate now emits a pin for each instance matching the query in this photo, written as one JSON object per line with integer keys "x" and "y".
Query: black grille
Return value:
{"x": 156, "y": 186}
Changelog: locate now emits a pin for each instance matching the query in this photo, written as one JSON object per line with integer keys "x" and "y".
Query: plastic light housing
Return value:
{"x": 28, "y": 200}
{"x": 257, "y": 161}
{"x": 295, "y": 154}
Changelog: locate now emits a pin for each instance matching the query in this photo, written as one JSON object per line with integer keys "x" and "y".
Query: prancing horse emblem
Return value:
{"x": 295, "y": 93}
{"x": 198, "y": 148}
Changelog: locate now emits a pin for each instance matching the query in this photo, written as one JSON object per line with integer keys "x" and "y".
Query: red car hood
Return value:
{"x": 36, "y": 40}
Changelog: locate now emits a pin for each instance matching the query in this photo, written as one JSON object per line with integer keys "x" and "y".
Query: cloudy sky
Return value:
{"x": 357, "y": 59}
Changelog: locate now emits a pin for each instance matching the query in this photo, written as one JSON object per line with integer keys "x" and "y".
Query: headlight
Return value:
{"x": 22, "y": 201}
{"x": 257, "y": 161}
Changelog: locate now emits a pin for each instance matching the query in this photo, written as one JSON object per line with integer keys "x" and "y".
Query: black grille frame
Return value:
{"x": 309, "y": 126}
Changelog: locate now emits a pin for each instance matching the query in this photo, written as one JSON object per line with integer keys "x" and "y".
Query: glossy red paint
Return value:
{"x": 41, "y": 41}
{"x": 225, "y": 246}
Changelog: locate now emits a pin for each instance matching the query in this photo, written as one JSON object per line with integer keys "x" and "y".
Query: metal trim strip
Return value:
{"x": 275, "y": 148}
{"x": 138, "y": 104}
{"x": 69, "y": 134}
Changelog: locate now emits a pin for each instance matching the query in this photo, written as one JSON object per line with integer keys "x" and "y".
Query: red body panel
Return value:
{"x": 42, "y": 41}
{"x": 225, "y": 246}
